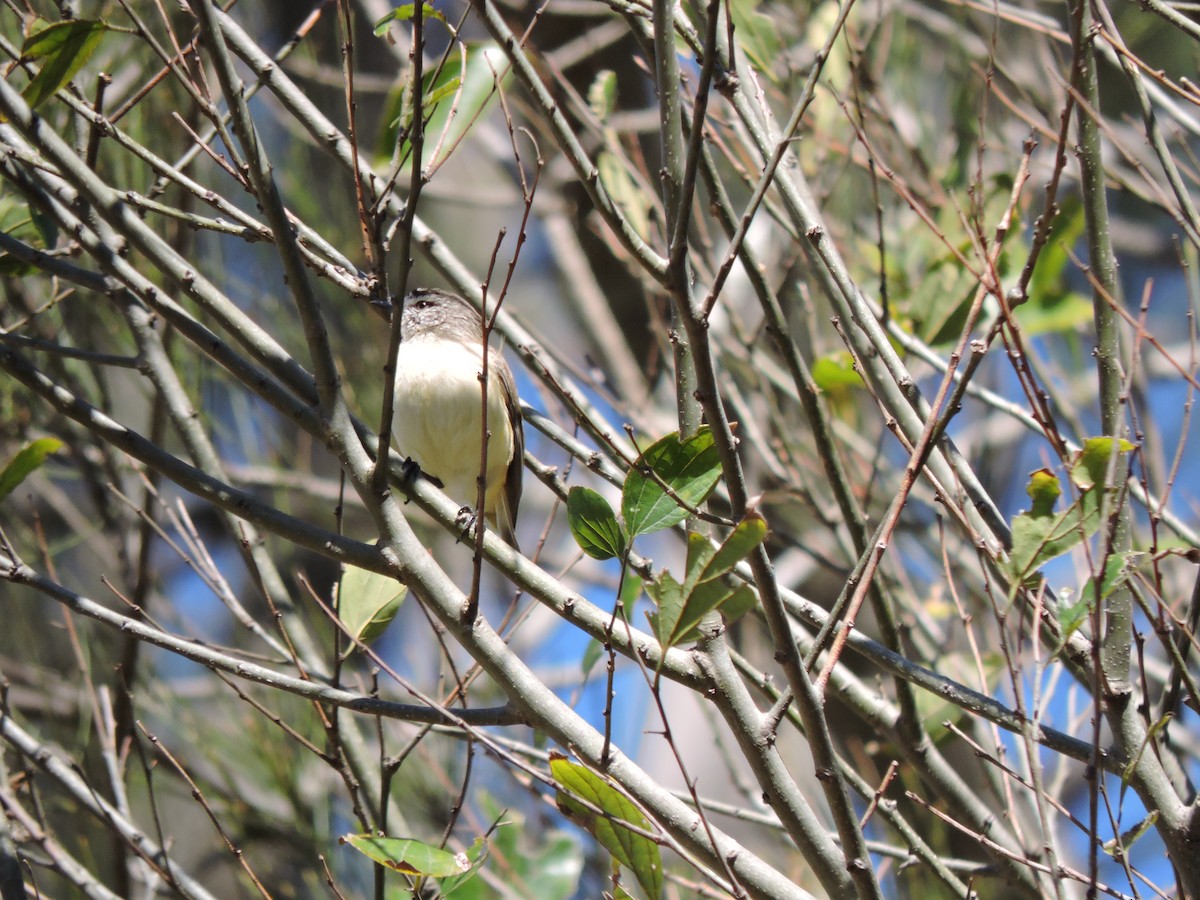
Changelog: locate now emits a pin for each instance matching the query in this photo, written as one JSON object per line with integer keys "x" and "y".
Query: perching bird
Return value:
{"x": 438, "y": 419}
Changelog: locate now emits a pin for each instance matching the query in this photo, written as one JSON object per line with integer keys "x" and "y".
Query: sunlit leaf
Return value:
{"x": 667, "y": 594}
{"x": 410, "y": 856}
{"x": 454, "y": 97}
{"x": 625, "y": 192}
{"x": 1149, "y": 741}
{"x": 1117, "y": 569}
{"x": 757, "y": 34}
{"x": 1044, "y": 490}
{"x": 682, "y": 607}
{"x": 461, "y": 885}
{"x": 737, "y": 604}
{"x": 691, "y": 469}
{"x": 1040, "y": 535}
{"x": 637, "y": 853}
{"x": 28, "y": 459}
{"x": 63, "y": 48}
{"x": 404, "y": 13}
{"x": 602, "y": 95}
{"x": 540, "y": 863}
{"x": 594, "y": 525}
{"x": 367, "y": 602}
{"x": 835, "y": 372}
{"x": 1050, "y": 286}
{"x": 1072, "y": 615}
{"x": 1070, "y": 312}
{"x": 1091, "y": 463}
{"x": 746, "y": 535}
{"x": 1115, "y": 846}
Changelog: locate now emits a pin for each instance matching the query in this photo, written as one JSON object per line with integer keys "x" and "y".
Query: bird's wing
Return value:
{"x": 506, "y": 518}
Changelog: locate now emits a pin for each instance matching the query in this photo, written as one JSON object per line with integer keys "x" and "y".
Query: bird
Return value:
{"x": 438, "y": 408}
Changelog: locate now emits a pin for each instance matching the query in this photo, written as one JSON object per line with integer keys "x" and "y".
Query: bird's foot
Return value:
{"x": 466, "y": 520}
{"x": 410, "y": 469}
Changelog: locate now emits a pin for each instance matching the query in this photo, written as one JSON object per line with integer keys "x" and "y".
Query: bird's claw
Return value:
{"x": 465, "y": 520}
{"x": 410, "y": 469}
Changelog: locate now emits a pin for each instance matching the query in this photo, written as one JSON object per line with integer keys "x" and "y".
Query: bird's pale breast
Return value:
{"x": 438, "y": 417}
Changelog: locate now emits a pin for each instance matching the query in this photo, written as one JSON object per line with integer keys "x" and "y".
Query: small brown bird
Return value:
{"x": 438, "y": 408}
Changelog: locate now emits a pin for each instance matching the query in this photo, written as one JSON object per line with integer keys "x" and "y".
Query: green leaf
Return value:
{"x": 757, "y": 34}
{"x": 740, "y": 602}
{"x": 1071, "y": 616}
{"x": 1040, "y": 535}
{"x": 367, "y": 602}
{"x": 941, "y": 296}
{"x": 631, "y": 590}
{"x": 746, "y": 535}
{"x": 691, "y": 469}
{"x": 637, "y": 853}
{"x": 541, "y": 863}
{"x": 1063, "y": 315}
{"x": 1121, "y": 845}
{"x": 460, "y": 885}
{"x": 1044, "y": 490}
{"x": 591, "y": 656}
{"x": 625, "y": 192}
{"x": 594, "y": 525}
{"x": 64, "y": 48}
{"x": 732, "y": 601}
{"x": 1039, "y": 538}
{"x": 442, "y": 91}
{"x": 1050, "y": 293}
{"x": 602, "y": 95}
{"x": 667, "y": 594}
{"x": 30, "y": 226}
{"x": 403, "y": 14}
{"x": 682, "y": 607}
{"x": 1117, "y": 567}
{"x": 454, "y": 98}
{"x": 836, "y": 372}
{"x": 1091, "y": 463}
{"x": 29, "y": 458}
{"x": 1149, "y": 740}
{"x": 409, "y": 856}
{"x": 708, "y": 596}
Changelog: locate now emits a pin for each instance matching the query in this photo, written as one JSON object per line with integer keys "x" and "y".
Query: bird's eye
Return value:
{"x": 423, "y": 304}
